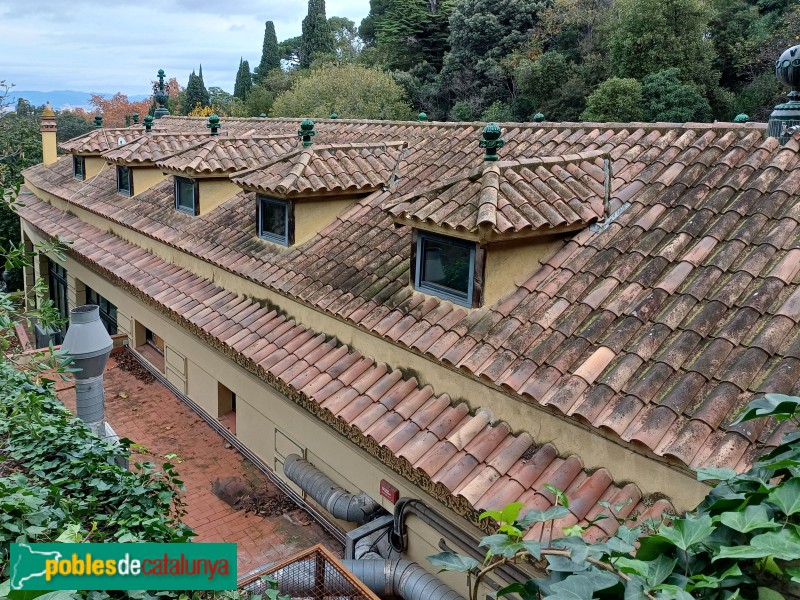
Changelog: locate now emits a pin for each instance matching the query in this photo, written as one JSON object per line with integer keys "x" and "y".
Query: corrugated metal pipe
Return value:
{"x": 354, "y": 508}
{"x": 385, "y": 578}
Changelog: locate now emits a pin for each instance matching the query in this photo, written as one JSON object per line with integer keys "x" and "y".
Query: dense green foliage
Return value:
{"x": 615, "y": 99}
{"x": 70, "y": 486}
{"x": 317, "y": 38}
{"x": 742, "y": 541}
{"x": 349, "y": 90}
{"x": 244, "y": 80}
{"x": 270, "y": 53}
{"x": 196, "y": 92}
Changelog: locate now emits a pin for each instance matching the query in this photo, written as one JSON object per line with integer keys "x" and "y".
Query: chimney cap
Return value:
{"x": 48, "y": 110}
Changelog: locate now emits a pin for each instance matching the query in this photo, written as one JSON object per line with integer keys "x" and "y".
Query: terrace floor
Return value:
{"x": 140, "y": 408}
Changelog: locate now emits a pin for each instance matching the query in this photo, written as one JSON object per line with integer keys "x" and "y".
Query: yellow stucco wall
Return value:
{"x": 507, "y": 265}
{"x": 49, "y": 147}
{"x": 625, "y": 462}
{"x": 214, "y": 192}
{"x": 144, "y": 178}
{"x": 312, "y": 216}
{"x": 93, "y": 165}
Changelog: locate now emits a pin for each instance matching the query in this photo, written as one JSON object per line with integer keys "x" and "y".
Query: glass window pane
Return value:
{"x": 446, "y": 266}
{"x": 273, "y": 219}
{"x": 185, "y": 192}
{"x": 124, "y": 179}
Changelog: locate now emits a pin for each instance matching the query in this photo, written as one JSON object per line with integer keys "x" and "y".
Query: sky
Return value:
{"x": 118, "y": 46}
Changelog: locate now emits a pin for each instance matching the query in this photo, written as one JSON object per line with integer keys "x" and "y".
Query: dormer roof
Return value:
{"x": 325, "y": 169}
{"x": 524, "y": 197}
{"x": 101, "y": 140}
{"x": 150, "y": 148}
{"x": 222, "y": 156}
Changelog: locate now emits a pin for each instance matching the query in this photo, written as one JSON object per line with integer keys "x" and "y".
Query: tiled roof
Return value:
{"x": 481, "y": 462}
{"x": 101, "y": 140}
{"x": 326, "y": 169}
{"x": 656, "y": 328}
{"x": 531, "y": 194}
{"x": 224, "y": 155}
{"x": 149, "y": 148}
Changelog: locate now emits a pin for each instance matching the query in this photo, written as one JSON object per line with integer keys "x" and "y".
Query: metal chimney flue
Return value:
{"x": 89, "y": 345}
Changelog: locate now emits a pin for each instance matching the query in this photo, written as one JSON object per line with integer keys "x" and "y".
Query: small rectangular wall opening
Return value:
{"x": 226, "y": 407}
{"x": 150, "y": 345}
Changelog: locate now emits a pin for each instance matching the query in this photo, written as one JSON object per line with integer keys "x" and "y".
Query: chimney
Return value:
{"x": 48, "y": 128}
{"x": 89, "y": 345}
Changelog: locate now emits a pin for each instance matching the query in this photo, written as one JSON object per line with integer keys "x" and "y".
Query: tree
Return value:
{"x": 742, "y": 541}
{"x": 221, "y": 101}
{"x": 116, "y": 108}
{"x": 290, "y": 50}
{"x": 244, "y": 80}
{"x": 351, "y": 91}
{"x": 346, "y": 42}
{"x": 317, "y": 38}
{"x": 270, "y": 53}
{"x": 196, "y": 93}
{"x": 615, "y": 99}
{"x": 71, "y": 124}
{"x": 407, "y": 32}
{"x": 483, "y": 36}
{"x": 665, "y": 98}
{"x": 258, "y": 102}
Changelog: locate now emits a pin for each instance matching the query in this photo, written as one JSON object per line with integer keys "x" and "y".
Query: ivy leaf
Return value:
{"x": 574, "y": 587}
{"x": 786, "y": 496}
{"x": 502, "y": 544}
{"x": 768, "y": 594}
{"x": 684, "y": 533}
{"x": 450, "y": 561}
{"x": 511, "y": 512}
{"x": 561, "y": 497}
{"x": 72, "y": 534}
{"x": 491, "y": 514}
{"x": 533, "y": 548}
{"x": 793, "y": 572}
{"x": 779, "y": 405}
{"x": 783, "y": 544}
{"x": 753, "y": 517}
{"x": 714, "y": 473}
{"x": 542, "y": 516}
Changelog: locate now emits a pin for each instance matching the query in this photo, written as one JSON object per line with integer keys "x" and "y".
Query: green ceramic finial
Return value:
{"x": 334, "y": 116}
{"x": 213, "y": 124}
{"x": 98, "y": 121}
{"x": 263, "y": 115}
{"x": 135, "y": 118}
{"x": 492, "y": 141}
{"x": 741, "y": 118}
{"x": 148, "y": 123}
{"x": 306, "y": 132}
{"x": 538, "y": 118}
{"x": 421, "y": 117}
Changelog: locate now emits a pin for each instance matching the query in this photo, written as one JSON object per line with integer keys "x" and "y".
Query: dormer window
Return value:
{"x": 124, "y": 181}
{"x": 187, "y": 196}
{"x": 78, "y": 167}
{"x": 445, "y": 267}
{"x": 276, "y": 220}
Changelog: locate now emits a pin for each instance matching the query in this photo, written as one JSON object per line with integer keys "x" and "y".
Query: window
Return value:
{"x": 124, "y": 181}
{"x": 79, "y": 167}
{"x": 186, "y": 196}
{"x": 275, "y": 220}
{"x": 108, "y": 312}
{"x": 153, "y": 340}
{"x": 57, "y": 284}
{"x": 445, "y": 267}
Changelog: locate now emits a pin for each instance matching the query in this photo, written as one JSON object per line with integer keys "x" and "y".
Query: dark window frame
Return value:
{"x": 120, "y": 189}
{"x": 78, "y": 173}
{"x": 288, "y": 238}
{"x": 58, "y": 291}
{"x": 474, "y": 296}
{"x": 195, "y": 210}
{"x": 108, "y": 311}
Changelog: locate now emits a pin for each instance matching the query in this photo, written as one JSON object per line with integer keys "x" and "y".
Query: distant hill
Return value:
{"x": 61, "y": 98}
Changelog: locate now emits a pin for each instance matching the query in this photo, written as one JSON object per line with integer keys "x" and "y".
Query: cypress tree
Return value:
{"x": 317, "y": 35}
{"x": 196, "y": 93}
{"x": 270, "y": 53}
{"x": 244, "y": 80}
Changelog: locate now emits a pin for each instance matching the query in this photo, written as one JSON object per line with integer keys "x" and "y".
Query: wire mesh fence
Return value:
{"x": 314, "y": 574}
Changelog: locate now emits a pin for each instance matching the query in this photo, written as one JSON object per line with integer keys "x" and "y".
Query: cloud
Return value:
{"x": 108, "y": 46}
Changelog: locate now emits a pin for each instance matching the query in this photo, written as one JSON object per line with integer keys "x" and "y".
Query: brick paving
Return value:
{"x": 153, "y": 416}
